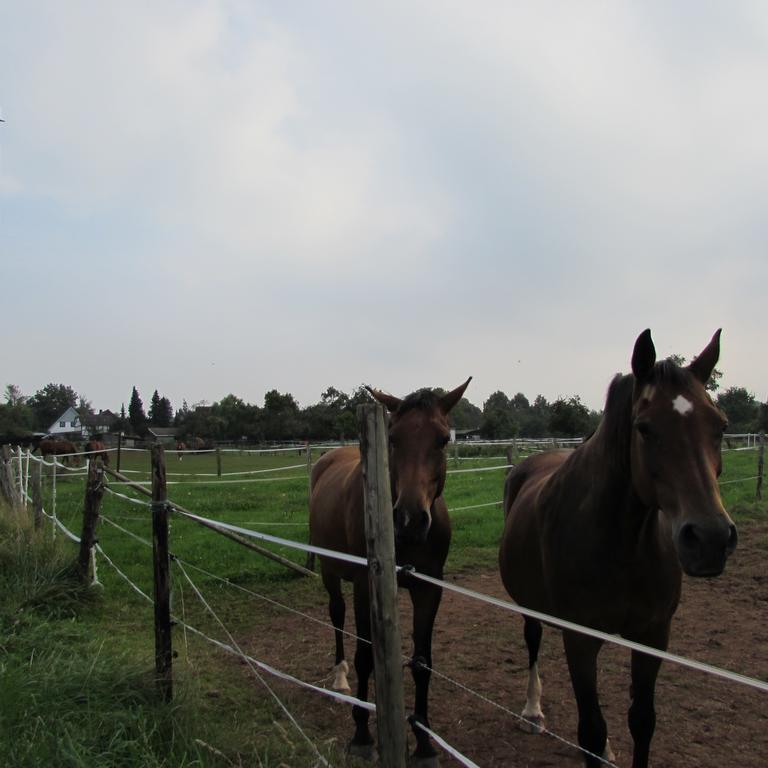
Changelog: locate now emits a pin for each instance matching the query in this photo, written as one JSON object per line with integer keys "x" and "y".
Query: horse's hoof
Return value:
{"x": 363, "y": 751}
{"x": 423, "y": 762}
{"x": 533, "y": 724}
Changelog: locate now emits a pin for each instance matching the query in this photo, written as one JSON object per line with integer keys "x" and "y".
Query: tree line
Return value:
{"x": 334, "y": 416}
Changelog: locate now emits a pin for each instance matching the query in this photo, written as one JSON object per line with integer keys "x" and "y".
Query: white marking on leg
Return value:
{"x": 340, "y": 682}
{"x": 608, "y": 752}
{"x": 532, "y": 711}
{"x": 682, "y": 405}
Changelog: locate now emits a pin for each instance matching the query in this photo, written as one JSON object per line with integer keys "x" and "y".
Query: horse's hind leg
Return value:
{"x": 337, "y": 611}
{"x": 533, "y": 714}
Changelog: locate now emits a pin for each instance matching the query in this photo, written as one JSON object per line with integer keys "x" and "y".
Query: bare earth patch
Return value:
{"x": 702, "y": 720}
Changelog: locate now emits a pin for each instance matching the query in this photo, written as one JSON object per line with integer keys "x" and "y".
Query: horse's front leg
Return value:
{"x": 581, "y": 652}
{"x": 362, "y": 741}
{"x": 642, "y": 712}
{"x": 426, "y": 600}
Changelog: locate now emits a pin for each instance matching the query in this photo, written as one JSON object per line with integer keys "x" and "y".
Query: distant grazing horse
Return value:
{"x": 180, "y": 448}
{"x": 599, "y": 535}
{"x": 96, "y": 448}
{"x": 55, "y": 447}
{"x": 418, "y": 434}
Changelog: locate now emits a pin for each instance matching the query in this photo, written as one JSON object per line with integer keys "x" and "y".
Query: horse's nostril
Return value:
{"x": 688, "y": 536}
{"x": 733, "y": 539}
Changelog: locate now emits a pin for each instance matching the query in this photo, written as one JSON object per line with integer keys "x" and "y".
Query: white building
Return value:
{"x": 68, "y": 422}
{"x": 88, "y": 424}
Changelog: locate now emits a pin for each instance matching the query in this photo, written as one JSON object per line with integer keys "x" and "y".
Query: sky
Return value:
{"x": 207, "y": 197}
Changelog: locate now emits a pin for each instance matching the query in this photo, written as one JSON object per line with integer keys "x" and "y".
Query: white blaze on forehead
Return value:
{"x": 682, "y": 405}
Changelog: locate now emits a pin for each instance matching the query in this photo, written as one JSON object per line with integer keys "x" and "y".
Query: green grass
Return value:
{"x": 77, "y": 676}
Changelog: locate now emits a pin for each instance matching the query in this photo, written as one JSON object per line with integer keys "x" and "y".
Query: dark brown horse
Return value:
{"x": 418, "y": 434}
{"x": 96, "y": 448}
{"x": 58, "y": 447}
{"x": 600, "y": 535}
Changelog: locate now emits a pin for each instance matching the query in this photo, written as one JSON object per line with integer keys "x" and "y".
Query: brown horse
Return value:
{"x": 96, "y": 448}
{"x": 180, "y": 448}
{"x": 57, "y": 447}
{"x": 418, "y": 434}
{"x": 599, "y": 535}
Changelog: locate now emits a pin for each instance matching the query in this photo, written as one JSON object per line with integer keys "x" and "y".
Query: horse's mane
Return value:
{"x": 424, "y": 399}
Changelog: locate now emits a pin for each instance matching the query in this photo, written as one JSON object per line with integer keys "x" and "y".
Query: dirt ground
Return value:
{"x": 702, "y": 720}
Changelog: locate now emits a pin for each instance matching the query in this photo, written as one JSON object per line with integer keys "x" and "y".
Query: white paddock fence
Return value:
{"x": 21, "y": 464}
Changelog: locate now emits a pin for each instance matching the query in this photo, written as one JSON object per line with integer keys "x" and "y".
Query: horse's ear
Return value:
{"x": 643, "y": 356}
{"x": 703, "y": 365}
{"x": 448, "y": 400}
{"x": 390, "y": 401}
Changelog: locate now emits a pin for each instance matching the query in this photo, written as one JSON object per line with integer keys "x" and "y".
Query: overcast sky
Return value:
{"x": 214, "y": 197}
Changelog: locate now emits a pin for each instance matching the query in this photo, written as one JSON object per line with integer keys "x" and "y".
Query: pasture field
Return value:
{"x": 238, "y": 718}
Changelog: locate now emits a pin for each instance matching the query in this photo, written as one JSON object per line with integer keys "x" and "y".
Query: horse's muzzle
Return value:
{"x": 703, "y": 550}
{"x": 412, "y": 528}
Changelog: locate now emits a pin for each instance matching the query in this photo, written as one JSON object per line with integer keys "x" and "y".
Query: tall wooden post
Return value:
{"x": 760, "y": 467}
{"x": 37, "y": 494}
{"x": 218, "y": 462}
{"x": 119, "y": 448}
{"x": 7, "y": 483}
{"x": 94, "y": 491}
{"x": 162, "y": 569}
{"x": 385, "y": 631}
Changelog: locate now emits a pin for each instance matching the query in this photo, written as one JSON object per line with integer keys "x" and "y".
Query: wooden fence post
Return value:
{"x": 94, "y": 491}
{"x": 385, "y": 631}
{"x": 7, "y": 482}
{"x": 162, "y": 568}
{"x": 218, "y": 461}
{"x": 119, "y": 448}
{"x": 37, "y": 494}
{"x": 760, "y": 466}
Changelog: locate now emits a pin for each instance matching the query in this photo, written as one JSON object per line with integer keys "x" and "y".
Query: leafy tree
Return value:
{"x": 535, "y": 421}
{"x": 740, "y": 407}
{"x": 50, "y": 402}
{"x": 762, "y": 418}
{"x": 281, "y": 416}
{"x": 13, "y": 396}
{"x": 570, "y": 418}
{"x": 498, "y": 420}
{"x": 136, "y": 416}
{"x": 16, "y": 420}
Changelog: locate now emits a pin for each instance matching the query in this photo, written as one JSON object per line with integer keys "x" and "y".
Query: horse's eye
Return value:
{"x": 644, "y": 428}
